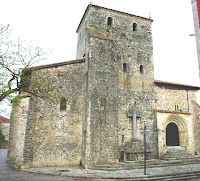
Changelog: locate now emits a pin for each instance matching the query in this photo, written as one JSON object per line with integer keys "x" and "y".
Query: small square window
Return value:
{"x": 103, "y": 102}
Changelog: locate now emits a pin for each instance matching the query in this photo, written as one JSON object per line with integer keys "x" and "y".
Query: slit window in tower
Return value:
{"x": 134, "y": 26}
{"x": 110, "y": 21}
{"x": 124, "y": 67}
{"x": 63, "y": 104}
{"x": 141, "y": 69}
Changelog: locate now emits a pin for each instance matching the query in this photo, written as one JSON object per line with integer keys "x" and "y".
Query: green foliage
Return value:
{"x": 110, "y": 31}
{"x": 17, "y": 79}
{"x": 42, "y": 85}
{"x": 2, "y": 137}
{"x": 73, "y": 106}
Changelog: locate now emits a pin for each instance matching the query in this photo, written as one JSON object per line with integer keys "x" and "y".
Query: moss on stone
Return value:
{"x": 101, "y": 33}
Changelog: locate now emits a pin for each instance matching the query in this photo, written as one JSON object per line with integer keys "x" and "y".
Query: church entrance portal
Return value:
{"x": 172, "y": 135}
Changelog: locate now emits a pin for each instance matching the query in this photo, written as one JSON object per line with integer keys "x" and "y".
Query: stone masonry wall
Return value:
{"x": 18, "y": 125}
{"x": 114, "y": 92}
{"x": 50, "y": 136}
{"x": 168, "y": 97}
{"x": 184, "y": 122}
{"x": 5, "y": 127}
{"x": 185, "y": 117}
{"x": 82, "y": 39}
{"x": 196, "y": 126}
{"x": 57, "y": 135}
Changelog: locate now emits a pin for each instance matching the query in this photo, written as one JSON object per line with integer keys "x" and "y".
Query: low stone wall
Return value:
{"x": 5, "y": 127}
{"x": 4, "y": 145}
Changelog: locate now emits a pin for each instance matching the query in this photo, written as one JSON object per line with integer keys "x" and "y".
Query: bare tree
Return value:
{"x": 15, "y": 59}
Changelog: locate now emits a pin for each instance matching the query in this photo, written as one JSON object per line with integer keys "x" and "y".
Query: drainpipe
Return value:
{"x": 188, "y": 102}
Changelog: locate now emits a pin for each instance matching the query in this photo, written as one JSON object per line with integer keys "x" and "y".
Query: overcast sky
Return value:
{"x": 52, "y": 24}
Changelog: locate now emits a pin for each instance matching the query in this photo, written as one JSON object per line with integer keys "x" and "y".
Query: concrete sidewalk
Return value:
{"x": 134, "y": 174}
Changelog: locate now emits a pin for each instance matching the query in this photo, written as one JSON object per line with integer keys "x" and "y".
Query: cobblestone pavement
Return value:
{"x": 186, "y": 172}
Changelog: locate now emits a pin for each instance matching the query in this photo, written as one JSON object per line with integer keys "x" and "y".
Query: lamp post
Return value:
{"x": 145, "y": 148}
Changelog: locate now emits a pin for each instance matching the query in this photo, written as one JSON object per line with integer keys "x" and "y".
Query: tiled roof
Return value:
{"x": 57, "y": 64}
{"x": 4, "y": 120}
{"x": 120, "y": 12}
{"x": 159, "y": 82}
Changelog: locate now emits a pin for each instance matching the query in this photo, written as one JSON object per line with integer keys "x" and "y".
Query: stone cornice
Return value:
{"x": 172, "y": 112}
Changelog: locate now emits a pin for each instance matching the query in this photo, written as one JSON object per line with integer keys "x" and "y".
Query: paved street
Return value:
{"x": 189, "y": 171}
{"x": 7, "y": 173}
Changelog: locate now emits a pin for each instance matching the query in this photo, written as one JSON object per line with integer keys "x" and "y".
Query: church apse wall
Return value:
{"x": 53, "y": 128}
{"x": 58, "y": 129}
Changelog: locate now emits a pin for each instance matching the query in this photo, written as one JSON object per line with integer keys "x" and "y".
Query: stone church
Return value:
{"x": 109, "y": 96}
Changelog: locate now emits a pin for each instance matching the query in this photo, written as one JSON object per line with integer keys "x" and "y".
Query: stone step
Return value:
{"x": 140, "y": 164}
{"x": 179, "y": 153}
{"x": 169, "y": 177}
{"x": 178, "y": 156}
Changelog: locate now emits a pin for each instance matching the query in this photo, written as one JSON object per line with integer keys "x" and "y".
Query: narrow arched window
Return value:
{"x": 141, "y": 69}
{"x": 124, "y": 67}
{"x": 176, "y": 107}
{"x": 134, "y": 26}
{"x": 63, "y": 104}
{"x": 110, "y": 21}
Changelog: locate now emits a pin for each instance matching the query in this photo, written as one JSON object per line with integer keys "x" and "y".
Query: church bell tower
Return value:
{"x": 119, "y": 75}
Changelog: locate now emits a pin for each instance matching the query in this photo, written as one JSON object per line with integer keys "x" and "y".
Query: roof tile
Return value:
{"x": 4, "y": 120}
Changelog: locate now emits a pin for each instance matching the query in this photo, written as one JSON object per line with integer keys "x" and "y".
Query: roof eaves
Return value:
{"x": 57, "y": 64}
{"x": 173, "y": 112}
{"x": 4, "y": 120}
{"x": 84, "y": 15}
{"x": 159, "y": 82}
{"x": 124, "y": 13}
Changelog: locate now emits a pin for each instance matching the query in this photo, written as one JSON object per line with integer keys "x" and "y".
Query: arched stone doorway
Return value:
{"x": 175, "y": 131}
{"x": 172, "y": 135}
